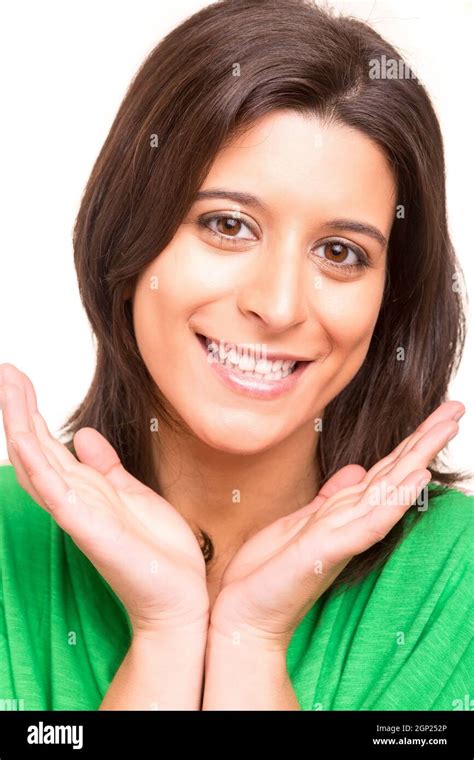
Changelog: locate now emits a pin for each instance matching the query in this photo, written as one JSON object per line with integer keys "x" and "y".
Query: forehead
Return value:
{"x": 298, "y": 164}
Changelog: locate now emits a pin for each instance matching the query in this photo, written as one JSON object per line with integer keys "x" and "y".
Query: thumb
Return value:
{"x": 94, "y": 450}
{"x": 350, "y": 475}
{"x": 347, "y": 476}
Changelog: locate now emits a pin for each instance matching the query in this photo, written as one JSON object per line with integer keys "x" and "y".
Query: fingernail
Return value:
{"x": 459, "y": 415}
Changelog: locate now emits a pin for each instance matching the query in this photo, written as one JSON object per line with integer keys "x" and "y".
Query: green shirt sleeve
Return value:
{"x": 402, "y": 639}
{"x": 63, "y": 631}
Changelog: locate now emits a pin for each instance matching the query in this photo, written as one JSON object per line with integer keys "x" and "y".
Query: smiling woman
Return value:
{"x": 281, "y": 277}
{"x": 239, "y": 515}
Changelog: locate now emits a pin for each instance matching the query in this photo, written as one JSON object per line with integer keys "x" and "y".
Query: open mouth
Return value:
{"x": 249, "y": 360}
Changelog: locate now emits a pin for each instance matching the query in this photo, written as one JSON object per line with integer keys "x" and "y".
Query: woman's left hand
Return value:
{"x": 277, "y": 576}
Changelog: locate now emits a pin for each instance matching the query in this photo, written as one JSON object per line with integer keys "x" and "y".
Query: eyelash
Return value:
{"x": 362, "y": 263}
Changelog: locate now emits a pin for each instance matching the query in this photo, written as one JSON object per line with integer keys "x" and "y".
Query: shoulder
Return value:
{"x": 49, "y": 590}
{"x": 441, "y": 527}
{"x": 421, "y": 607}
{"x": 401, "y": 639}
{"x": 25, "y": 535}
{"x": 19, "y": 514}
{"x": 34, "y": 549}
{"x": 434, "y": 557}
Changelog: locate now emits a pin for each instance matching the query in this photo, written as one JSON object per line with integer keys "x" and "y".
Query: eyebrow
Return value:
{"x": 253, "y": 201}
{"x": 353, "y": 226}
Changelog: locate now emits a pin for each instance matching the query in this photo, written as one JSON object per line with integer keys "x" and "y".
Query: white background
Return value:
{"x": 65, "y": 69}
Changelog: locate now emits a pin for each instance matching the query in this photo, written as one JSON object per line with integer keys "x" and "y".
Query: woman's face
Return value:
{"x": 293, "y": 272}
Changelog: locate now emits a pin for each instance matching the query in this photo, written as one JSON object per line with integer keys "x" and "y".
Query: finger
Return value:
{"x": 11, "y": 374}
{"x": 22, "y": 416}
{"x": 14, "y": 422}
{"x": 346, "y": 506}
{"x": 38, "y": 424}
{"x": 363, "y": 532}
{"x": 63, "y": 456}
{"x": 16, "y": 416}
{"x": 333, "y": 545}
{"x": 360, "y": 534}
{"x": 417, "y": 458}
{"x": 66, "y": 508}
{"x": 347, "y": 477}
{"x": 94, "y": 450}
{"x": 446, "y": 411}
{"x": 356, "y": 500}
{"x": 350, "y": 510}
{"x": 422, "y": 452}
{"x": 55, "y": 451}
{"x": 20, "y": 420}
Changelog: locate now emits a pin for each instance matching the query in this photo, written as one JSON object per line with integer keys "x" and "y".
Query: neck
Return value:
{"x": 231, "y": 496}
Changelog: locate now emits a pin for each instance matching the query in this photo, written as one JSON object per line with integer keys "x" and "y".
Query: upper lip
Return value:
{"x": 267, "y": 354}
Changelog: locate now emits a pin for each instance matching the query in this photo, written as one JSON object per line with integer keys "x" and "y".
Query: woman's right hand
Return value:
{"x": 138, "y": 542}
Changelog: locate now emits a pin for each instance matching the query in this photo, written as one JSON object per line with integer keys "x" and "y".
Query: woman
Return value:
{"x": 239, "y": 517}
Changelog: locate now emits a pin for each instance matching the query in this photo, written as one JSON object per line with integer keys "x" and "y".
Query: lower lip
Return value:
{"x": 244, "y": 384}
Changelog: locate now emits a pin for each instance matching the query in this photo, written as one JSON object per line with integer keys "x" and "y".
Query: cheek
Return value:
{"x": 346, "y": 314}
{"x": 349, "y": 311}
{"x": 180, "y": 281}
{"x": 169, "y": 290}
{"x": 191, "y": 274}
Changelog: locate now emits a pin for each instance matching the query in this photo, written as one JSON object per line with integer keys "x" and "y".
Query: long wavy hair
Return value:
{"x": 205, "y": 83}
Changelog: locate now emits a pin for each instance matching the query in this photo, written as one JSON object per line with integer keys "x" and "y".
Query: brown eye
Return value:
{"x": 226, "y": 225}
{"x": 227, "y": 228}
{"x": 341, "y": 256}
{"x": 336, "y": 252}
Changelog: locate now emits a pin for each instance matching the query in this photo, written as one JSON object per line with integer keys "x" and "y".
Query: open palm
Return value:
{"x": 139, "y": 543}
{"x": 276, "y": 576}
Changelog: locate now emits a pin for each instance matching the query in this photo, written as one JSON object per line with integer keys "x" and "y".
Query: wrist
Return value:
{"x": 162, "y": 670}
{"x": 245, "y": 673}
{"x": 189, "y": 627}
{"x": 230, "y": 620}
{"x": 227, "y": 628}
{"x": 229, "y": 636}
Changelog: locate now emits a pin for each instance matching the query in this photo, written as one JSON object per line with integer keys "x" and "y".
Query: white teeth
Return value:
{"x": 263, "y": 366}
{"x": 247, "y": 364}
{"x": 233, "y": 356}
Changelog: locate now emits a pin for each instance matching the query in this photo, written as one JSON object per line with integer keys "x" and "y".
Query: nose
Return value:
{"x": 275, "y": 290}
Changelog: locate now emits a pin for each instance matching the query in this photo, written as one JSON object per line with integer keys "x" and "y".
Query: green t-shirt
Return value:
{"x": 400, "y": 639}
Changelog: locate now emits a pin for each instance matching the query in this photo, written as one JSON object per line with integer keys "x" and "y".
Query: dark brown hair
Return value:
{"x": 206, "y": 82}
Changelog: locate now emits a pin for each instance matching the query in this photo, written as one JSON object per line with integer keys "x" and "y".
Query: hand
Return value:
{"x": 277, "y": 576}
{"x": 137, "y": 541}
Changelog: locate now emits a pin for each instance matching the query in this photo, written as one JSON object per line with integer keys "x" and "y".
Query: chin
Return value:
{"x": 236, "y": 432}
